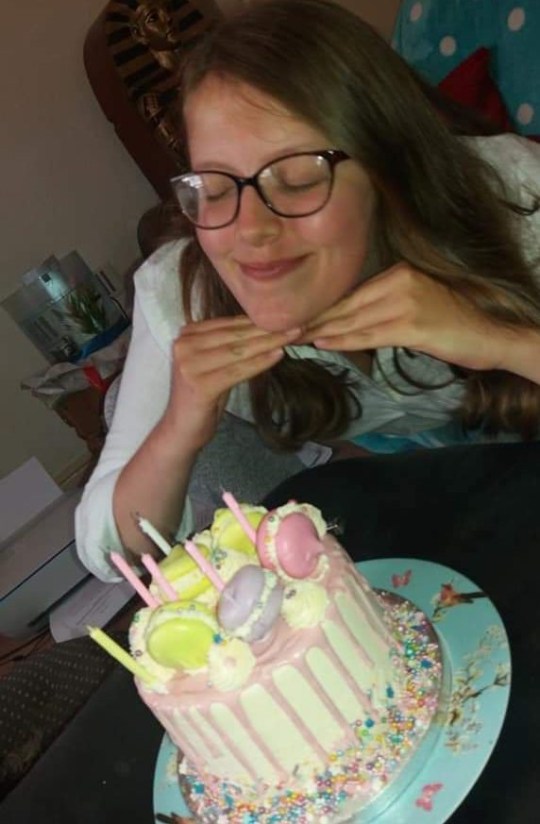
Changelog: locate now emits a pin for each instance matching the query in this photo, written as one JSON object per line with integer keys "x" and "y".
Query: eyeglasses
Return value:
{"x": 296, "y": 185}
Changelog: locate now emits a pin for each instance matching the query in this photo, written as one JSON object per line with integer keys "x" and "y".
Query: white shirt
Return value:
{"x": 158, "y": 318}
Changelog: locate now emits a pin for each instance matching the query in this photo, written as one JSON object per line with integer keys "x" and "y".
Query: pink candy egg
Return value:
{"x": 297, "y": 545}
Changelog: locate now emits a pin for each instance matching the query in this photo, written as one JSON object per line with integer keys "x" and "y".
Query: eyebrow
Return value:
{"x": 220, "y": 166}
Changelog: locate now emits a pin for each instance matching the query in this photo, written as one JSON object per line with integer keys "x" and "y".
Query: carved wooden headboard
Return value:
{"x": 132, "y": 55}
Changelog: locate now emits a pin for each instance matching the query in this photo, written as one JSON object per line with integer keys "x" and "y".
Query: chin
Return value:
{"x": 278, "y": 317}
{"x": 274, "y": 323}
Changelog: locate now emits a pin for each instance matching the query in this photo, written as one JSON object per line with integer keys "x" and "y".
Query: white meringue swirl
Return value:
{"x": 304, "y": 604}
{"x": 230, "y": 664}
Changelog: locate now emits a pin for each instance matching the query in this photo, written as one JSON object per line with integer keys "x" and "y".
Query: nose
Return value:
{"x": 255, "y": 221}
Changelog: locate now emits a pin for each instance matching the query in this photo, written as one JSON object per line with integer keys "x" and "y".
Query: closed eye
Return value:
{"x": 214, "y": 197}
{"x": 292, "y": 187}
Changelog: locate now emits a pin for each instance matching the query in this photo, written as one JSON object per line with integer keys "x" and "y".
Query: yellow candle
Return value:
{"x": 120, "y": 654}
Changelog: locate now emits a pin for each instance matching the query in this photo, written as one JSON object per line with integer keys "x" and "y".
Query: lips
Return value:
{"x": 272, "y": 269}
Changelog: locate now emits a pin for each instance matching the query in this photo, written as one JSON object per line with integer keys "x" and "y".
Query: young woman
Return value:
{"x": 355, "y": 268}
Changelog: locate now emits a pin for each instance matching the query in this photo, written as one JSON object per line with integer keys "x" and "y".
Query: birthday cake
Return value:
{"x": 293, "y": 691}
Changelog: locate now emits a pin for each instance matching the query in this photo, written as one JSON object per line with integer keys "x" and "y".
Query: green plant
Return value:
{"x": 84, "y": 308}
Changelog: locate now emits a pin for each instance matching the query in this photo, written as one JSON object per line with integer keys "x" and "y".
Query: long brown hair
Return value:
{"x": 440, "y": 207}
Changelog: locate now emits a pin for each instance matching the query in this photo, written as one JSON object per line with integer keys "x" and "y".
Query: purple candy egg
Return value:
{"x": 241, "y": 597}
{"x": 269, "y": 616}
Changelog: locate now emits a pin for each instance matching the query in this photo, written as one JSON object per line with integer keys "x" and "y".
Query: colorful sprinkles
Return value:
{"x": 357, "y": 774}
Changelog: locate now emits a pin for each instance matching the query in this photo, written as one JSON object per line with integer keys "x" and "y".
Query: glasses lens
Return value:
{"x": 208, "y": 199}
{"x": 297, "y": 185}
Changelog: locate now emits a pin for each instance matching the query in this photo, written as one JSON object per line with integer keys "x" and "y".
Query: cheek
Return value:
{"x": 218, "y": 247}
{"x": 214, "y": 244}
{"x": 342, "y": 228}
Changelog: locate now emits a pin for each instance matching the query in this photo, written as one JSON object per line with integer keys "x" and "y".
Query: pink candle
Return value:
{"x": 204, "y": 565}
{"x": 234, "y": 506}
{"x": 159, "y": 578}
{"x": 122, "y": 565}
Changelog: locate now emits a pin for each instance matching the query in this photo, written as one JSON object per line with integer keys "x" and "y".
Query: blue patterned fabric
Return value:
{"x": 435, "y": 36}
{"x": 451, "y": 434}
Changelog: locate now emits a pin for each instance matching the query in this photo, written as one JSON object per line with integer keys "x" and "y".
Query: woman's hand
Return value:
{"x": 403, "y": 307}
{"x": 209, "y": 358}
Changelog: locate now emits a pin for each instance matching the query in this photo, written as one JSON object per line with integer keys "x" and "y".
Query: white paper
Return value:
{"x": 93, "y": 604}
{"x": 312, "y": 454}
{"x": 24, "y": 494}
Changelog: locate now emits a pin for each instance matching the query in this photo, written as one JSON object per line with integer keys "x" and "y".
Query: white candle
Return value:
{"x": 149, "y": 530}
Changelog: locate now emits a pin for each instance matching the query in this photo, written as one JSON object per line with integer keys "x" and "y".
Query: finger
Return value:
{"x": 356, "y": 321}
{"x": 365, "y": 294}
{"x": 202, "y": 327}
{"x": 394, "y": 332}
{"x": 218, "y": 381}
{"x": 236, "y": 337}
{"x": 390, "y": 283}
{"x": 344, "y": 307}
{"x": 222, "y": 353}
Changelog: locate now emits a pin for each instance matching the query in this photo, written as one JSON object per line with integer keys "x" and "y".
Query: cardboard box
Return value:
{"x": 39, "y": 568}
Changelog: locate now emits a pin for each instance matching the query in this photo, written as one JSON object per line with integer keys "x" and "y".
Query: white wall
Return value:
{"x": 380, "y": 13}
{"x": 66, "y": 183}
